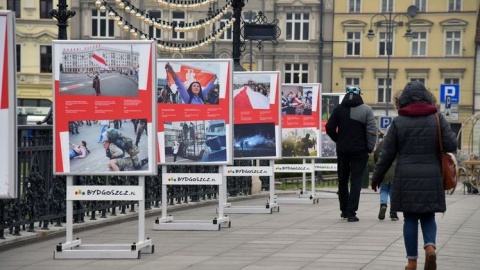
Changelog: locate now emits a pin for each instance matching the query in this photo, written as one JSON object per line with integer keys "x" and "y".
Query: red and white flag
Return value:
{"x": 190, "y": 74}
{"x": 246, "y": 98}
{"x": 99, "y": 60}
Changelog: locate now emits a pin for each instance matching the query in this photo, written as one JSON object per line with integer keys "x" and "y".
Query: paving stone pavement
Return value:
{"x": 299, "y": 236}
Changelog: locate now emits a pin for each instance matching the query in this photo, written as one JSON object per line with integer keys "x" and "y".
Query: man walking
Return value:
{"x": 352, "y": 127}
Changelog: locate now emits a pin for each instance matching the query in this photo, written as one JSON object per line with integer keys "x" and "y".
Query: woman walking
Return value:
{"x": 418, "y": 186}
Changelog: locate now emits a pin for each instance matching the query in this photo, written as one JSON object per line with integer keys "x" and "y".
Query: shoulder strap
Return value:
{"x": 439, "y": 133}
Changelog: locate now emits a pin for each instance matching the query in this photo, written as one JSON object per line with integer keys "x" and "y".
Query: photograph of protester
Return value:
{"x": 298, "y": 100}
{"x": 195, "y": 141}
{"x": 100, "y": 70}
{"x": 192, "y": 83}
{"x": 329, "y": 101}
{"x": 251, "y": 91}
{"x": 299, "y": 142}
{"x": 117, "y": 149}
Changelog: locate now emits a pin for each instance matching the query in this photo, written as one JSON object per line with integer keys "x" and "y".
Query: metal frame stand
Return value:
{"x": 167, "y": 223}
{"x": 304, "y": 197}
{"x": 74, "y": 249}
{"x": 267, "y": 209}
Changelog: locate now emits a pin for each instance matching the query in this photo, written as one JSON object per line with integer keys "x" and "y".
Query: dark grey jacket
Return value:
{"x": 352, "y": 125}
{"x": 417, "y": 185}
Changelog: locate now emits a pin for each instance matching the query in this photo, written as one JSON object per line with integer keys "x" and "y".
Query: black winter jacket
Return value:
{"x": 412, "y": 139}
{"x": 352, "y": 125}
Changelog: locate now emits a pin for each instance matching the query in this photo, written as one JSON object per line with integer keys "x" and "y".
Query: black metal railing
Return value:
{"x": 41, "y": 195}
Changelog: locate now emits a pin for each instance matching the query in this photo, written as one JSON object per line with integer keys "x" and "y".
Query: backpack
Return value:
{"x": 125, "y": 143}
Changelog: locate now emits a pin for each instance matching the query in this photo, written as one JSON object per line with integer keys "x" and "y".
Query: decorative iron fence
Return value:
{"x": 42, "y": 199}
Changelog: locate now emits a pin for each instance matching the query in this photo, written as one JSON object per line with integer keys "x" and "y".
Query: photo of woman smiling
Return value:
{"x": 194, "y": 94}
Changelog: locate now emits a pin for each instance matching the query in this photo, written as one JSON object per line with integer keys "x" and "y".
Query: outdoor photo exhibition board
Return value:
{"x": 195, "y": 120}
{"x": 256, "y": 106}
{"x": 8, "y": 102}
{"x": 329, "y": 102}
{"x": 301, "y": 120}
{"x": 104, "y": 107}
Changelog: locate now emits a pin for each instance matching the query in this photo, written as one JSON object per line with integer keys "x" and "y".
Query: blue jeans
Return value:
{"x": 410, "y": 232}
{"x": 385, "y": 191}
{"x": 72, "y": 153}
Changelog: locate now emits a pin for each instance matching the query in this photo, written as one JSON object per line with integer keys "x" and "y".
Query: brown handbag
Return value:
{"x": 449, "y": 164}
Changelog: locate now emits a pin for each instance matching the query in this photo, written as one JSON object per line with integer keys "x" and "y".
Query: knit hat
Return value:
{"x": 353, "y": 89}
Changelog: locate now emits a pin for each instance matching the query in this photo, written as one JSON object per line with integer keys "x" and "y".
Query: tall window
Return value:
{"x": 178, "y": 17}
{"x": 385, "y": 47}
{"x": 419, "y": 44}
{"x": 353, "y": 43}
{"x": 45, "y": 58}
{"x": 14, "y": 5}
{"x": 454, "y": 5}
{"x": 152, "y": 31}
{"x": 387, "y": 5}
{"x": 384, "y": 94}
{"x": 451, "y": 81}
{"x": 227, "y": 35}
{"x": 18, "y": 51}
{"x": 298, "y": 25}
{"x": 354, "y": 6}
{"x": 421, "y": 5}
{"x": 102, "y": 25}
{"x": 45, "y": 7}
{"x": 296, "y": 73}
{"x": 352, "y": 81}
{"x": 452, "y": 43}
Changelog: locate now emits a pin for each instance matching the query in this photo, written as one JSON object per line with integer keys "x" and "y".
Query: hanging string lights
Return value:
{"x": 129, "y": 8}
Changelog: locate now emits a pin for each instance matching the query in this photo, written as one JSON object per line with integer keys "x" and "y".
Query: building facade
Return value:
{"x": 35, "y": 31}
{"x": 295, "y": 51}
{"x": 439, "y": 48}
{"x": 318, "y": 41}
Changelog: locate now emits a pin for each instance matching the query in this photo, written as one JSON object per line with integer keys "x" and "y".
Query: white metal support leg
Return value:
{"x": 169, "y": 224}
{"x": 304, "y": 197}
{"x": 264, "y": 209}
{"x": 76, "y": 250}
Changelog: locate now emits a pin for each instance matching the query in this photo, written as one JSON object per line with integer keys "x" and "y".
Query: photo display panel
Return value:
{"x": 8, "y": 104}
{"x": 195, "y": 118}
{"x": 301, "y": 110}
{"x": 329, "y": 102}
{"x": 256, "y": 107}
{"x": 104, "y": 107}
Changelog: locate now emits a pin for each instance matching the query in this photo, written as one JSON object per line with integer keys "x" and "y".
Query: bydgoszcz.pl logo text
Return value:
{"x": 192, "y": 179}
{"x": 104, "y": 192}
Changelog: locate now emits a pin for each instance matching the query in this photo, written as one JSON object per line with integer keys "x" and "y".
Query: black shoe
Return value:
{"x": 343, "y": 215}
{"x": 393, "y": 216}
{"x": 381, "y": 213}
{"x": 353, "y": 219}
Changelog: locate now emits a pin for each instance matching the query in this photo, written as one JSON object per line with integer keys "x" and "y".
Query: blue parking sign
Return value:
{"x": 452, "y": 90}
{"x": 384, "y": 121}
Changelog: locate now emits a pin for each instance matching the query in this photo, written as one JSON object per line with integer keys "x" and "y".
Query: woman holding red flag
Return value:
{"x": 194, "y": 94}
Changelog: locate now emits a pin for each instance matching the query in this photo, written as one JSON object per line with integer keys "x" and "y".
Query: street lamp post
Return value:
{"x": 237, "y": 6}
{"x": 211, "y": 11}
{"x": 390, "y": 22}
{"x": 62, "y": 15}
